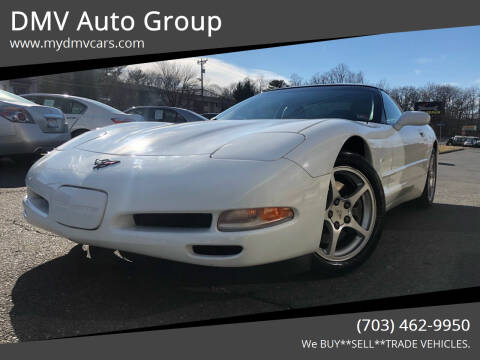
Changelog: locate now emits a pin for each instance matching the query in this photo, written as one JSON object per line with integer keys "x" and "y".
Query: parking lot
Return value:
{"x": 48, "y": 289}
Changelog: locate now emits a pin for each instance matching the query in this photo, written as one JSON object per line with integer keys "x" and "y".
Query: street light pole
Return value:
{"x": 202, "y": 62}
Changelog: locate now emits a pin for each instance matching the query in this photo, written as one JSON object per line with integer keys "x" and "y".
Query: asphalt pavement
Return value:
{"x": 48, "y": 289}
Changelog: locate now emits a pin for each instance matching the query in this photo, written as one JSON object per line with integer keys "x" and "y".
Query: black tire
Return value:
{"x": 449, "y": 143}
{"x": 79, "y": 132}
{"x": 426, "y": 200}
{"x": 359, "y": 163}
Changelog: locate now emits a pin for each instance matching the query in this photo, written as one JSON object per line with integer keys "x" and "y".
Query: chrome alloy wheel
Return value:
{"x": 350, "y": 215}
{"x": 432, "y": 177}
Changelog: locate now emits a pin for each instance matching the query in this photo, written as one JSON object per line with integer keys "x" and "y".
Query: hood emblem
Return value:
{"x": 98, "y": 164}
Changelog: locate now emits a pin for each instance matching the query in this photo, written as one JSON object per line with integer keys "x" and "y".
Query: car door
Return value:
{"x": 410, "y": 148}
{"x": 74, "y": 111}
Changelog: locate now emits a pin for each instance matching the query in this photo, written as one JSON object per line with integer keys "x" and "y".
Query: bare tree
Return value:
{"x": 340, "y": 74}
{"x": 295, "y": 80}
{"x": 136, "y": 77}
{"x": 176, "y": 82}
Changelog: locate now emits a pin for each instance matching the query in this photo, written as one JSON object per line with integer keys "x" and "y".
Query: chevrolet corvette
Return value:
{"x": 286, "y": 173}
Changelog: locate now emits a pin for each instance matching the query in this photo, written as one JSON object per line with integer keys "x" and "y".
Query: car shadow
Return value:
{"x": 73, "y": 295}
{"x": 13, "y": 172}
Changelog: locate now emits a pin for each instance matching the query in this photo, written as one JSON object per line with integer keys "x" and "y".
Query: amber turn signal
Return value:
{"x": 249, "y": 219}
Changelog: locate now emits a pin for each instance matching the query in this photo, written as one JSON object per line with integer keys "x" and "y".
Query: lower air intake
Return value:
{"x": 174, "y": 220}
{"x": 217, "y": 250}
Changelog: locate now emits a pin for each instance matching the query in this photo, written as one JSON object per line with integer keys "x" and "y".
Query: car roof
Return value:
{"x": 181, "y": 110}
{"x": 154, "y": 107}
{"x": 326, "y": 85}
{"x": 66, "y": 96}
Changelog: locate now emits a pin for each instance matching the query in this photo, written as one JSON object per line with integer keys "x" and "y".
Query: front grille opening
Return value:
{"x": 217, "y": 250}
{"x": 174, "y": 220}
{"x": 38, "y": 201}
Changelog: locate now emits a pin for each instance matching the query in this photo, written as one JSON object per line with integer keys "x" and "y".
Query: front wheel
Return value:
{"x": 428, "y": 194}
{"x": 353, "y": 216}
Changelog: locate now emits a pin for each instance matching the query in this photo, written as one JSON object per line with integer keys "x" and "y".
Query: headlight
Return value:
{"x": 16, "y": 114}
{"x": 249, "y": 219}
{"x": 266, "y": 146}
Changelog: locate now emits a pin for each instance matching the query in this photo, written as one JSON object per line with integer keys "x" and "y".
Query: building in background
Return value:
{"x": 98, "y": 85}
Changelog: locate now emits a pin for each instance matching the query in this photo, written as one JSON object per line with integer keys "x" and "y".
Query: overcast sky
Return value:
{"x": 450, "y": 56}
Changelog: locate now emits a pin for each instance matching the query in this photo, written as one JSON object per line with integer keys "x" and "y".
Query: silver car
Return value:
{"x": 83, "y": 114}
{"x": 27, "y": 128}
{"x": 165, "y": 114}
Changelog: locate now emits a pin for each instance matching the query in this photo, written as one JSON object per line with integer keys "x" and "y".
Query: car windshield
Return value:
{"x": 358, "y": 103}
{"x": 6, "y": 96}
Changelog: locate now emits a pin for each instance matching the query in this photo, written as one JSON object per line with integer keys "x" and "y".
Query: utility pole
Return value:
{"x": 202, "y": 62}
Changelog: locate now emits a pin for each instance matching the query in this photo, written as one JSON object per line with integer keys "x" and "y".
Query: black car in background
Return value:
{"x": 165, "y": 114}
{"x": 457, "y": 140}
{"x": 209, "y": 115}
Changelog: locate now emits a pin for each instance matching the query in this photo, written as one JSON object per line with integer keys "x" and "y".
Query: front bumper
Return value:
{"x": 183, "y": 184}
{"x": 29, "y": 139}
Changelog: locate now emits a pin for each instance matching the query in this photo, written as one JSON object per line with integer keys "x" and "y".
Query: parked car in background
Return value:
{"x": 83, "y": 114}
{"x": 209, "y": 115}
{"x": 165, "y": 114}
{"x": 470, "y": 141}
{"x": 27, "y": 128}
{"x": 456, "y": 140}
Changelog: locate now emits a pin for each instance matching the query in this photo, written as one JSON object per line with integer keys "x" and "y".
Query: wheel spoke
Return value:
{"x": 333, "y": 242}
{"x": 358, "y": 194}
{"x": 358, "y": 228}
{"x": 333, "y": 184}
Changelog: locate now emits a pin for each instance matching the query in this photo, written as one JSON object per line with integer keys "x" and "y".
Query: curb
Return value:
{"x": 450, "y": 151}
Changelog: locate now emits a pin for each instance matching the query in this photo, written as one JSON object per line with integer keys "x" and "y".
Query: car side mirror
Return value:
{"x": 412, "y": 118}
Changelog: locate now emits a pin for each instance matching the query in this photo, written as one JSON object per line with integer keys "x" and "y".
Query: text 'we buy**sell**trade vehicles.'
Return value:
{"x": 286, "y": 173}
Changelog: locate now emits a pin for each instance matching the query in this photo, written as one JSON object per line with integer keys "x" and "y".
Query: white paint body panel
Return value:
{"x": 255, "y": 163}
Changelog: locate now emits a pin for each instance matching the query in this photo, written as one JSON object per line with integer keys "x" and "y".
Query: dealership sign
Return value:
{"x": 435, "y": 108}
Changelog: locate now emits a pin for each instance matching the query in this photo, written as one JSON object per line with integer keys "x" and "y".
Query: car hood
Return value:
{"x": 197, "y": 138}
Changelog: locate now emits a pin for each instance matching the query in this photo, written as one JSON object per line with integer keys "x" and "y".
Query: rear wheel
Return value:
{"x": 353, "y": 215}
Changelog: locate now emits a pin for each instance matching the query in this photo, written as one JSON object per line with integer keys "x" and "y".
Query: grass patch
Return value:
{"x": 443, "y": 149}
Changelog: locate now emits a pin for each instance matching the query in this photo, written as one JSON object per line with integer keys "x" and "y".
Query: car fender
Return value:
{"x": 317, "y": 154}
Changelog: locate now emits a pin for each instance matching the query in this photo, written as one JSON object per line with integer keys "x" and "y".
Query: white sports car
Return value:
{"x": 290, "y": 172}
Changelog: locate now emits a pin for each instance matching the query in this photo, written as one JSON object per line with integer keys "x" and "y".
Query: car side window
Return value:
{"x": 77, "y": 108}
{"x": 392, "y": 111}
{"x": 58, "y": 103}
{"x": 137, "y": 111}
{"x": 180, "y": 118}
{"x": 158, "y": 115}
{"x": 170, "y": 116}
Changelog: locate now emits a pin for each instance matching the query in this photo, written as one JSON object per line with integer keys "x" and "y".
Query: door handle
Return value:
{"x": 421, "y": 133}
